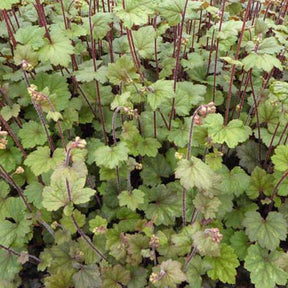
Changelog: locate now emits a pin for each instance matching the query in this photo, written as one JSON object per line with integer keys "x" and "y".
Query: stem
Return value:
{"x": 217, "y": 50}
{"x": 10, "y": 33}
{"x": 234, "y": 66}
{"x": 189, "y": 258}
{"x": 5, "y": 175}
{"x": 274, "y": 192}
{"x": 93, "y": 48}
{"x": 175, "y": 75}
{"x": 87, "y": 239}
{"x": 14, "y": 137}
{"x": 13, "y": 252}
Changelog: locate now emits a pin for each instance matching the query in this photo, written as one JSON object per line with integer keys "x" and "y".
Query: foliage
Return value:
{"x": 143, "y": 143}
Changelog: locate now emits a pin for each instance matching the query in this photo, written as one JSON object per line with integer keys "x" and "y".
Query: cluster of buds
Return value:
{"x": 155, "y": 277}
{"x": 154, "y": 241}
{"x": 19, "y": 170}
{"x": 99, "y": 230}
{"x": 131, "y": 112}
{"x": 26, "y": 66}
{"x": 78, "y": 143}
{"x": 35, "y": 95}
{"x": 3, "y": 140}
{"x": 184, "y": 41}
{"x": 214, "y": 233}
{"x": 78, "y": 4}
{"x": 203, "y": 111}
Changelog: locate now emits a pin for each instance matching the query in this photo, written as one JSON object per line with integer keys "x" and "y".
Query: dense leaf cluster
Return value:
{"x": 143, "y": 143}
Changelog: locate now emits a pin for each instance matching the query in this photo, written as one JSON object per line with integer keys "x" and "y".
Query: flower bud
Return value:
{"x": 19, "y": 170}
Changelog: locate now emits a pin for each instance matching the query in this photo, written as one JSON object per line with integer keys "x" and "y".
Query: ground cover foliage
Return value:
{"x": 143, "y": 143}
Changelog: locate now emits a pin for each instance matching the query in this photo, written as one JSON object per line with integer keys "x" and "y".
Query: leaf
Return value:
{"x": 154, "y": 169}
{"x": 158, "y": 92}
{"x": 32, "y": 134}
{"x": 235, "y": 181}
{"x": 111, "y": 157}
{"x": 31, "y": 35}
{"x": 98, "y": 225}
{"x": 115, "y": 277}
{"x": 87, "y": 276}
{"x": 9, "y": 266}
{"x": 233, "y": 134}
{"x": 264, "y": 272}
{"x": 206, "y": 244}
{"x": 144, "y": 41}
{"x": 240, "y": 243}
{"x": 267, "y": 232}
{"x": 264, "y": 62}
{"x": 207, "y": 206}
{"x": 164, "y": 203}
{"x": 131, "y": 199}
{"x": 123, "y": 70}
{"x": 33, "y": 192}
{"x": 194, "y": 173}
{"x": 248, "y": 153}
{"x": 135, "y": 12}
{"x": 25, "y": 53}
{"x": 260, "y": 182}
{"x": 224, "y": 266}
{"x": 59, "y": 51}
{"x": 55, "y": 196}
{"x": 137, "y": 243}
{"x": 280, "y": 158}
{"x": 40, "y": 161}
{"x": 6, "y": 4}
{"x": 171, "y": 10}
{"x": 138, "y": 277}
{"x": 58, "y": 90}
{"x": 269, "y": 46}
{"x": 8, "y": 112}
{"x": 168, "y": 274}
{"x": 69, "y": 225}
{"x": 11, "y": 157}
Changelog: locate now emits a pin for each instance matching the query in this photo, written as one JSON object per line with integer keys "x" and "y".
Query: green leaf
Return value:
{"x": 171, "y": 10}
{"x": 164, "y": 203}
{"x": 207, "y": 206}
{"x": 248, "y": 153}
{"x": 87, "y": 276}
{"x": 10, "y": 158}
{"x": 9, "y": 266}
{"x": 158, "y": 92}
{"x": 131, "y": 199}
{"x": 123, "y": 70}
{"x": 98, "y": 225}
{"x": 240, "y": 242}
{"x": 111, "y": 157}
{"x": 69, "y": 225}
{"x": 8, "y": 112}
{"x": 25, "y": 53}
{"x": 154, "y": 169}
{"x": 115, "y": 277}
{"x": 235, "y": 181}
{"x": 32, "y": 134}
{"x": 59, "y": 51}
{"x": 40, "y": 161}
{"x": 138, "y": 277}
{"x": 280, "y": 158}
{"x": 33, "y": 192}
{"x": 224, "y": 266}
{"x": 194, "y": 173}
{"x": 264, "y": 272}
{"x": 260, "y": 182}
{"x": 168, "y": 274}
{"x": 264, "y": 62}
{"x": 136, "y": 12}
{"x": 267, "y": 232}
{"x": 137, "y": 243}
{"x": 31, "y": 35}
{"x": 144, "y": 41}
{"x": 232, "y": 134}
{"x": 269, "y": 46}
{"x": 15, "y": 229}
{"x": 206, "y": 243}
{"x": 55, "y": 196}
{"x": 6, "y": 4}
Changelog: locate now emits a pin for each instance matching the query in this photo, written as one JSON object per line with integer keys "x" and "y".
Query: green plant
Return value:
{"x": 143, "y": 143}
